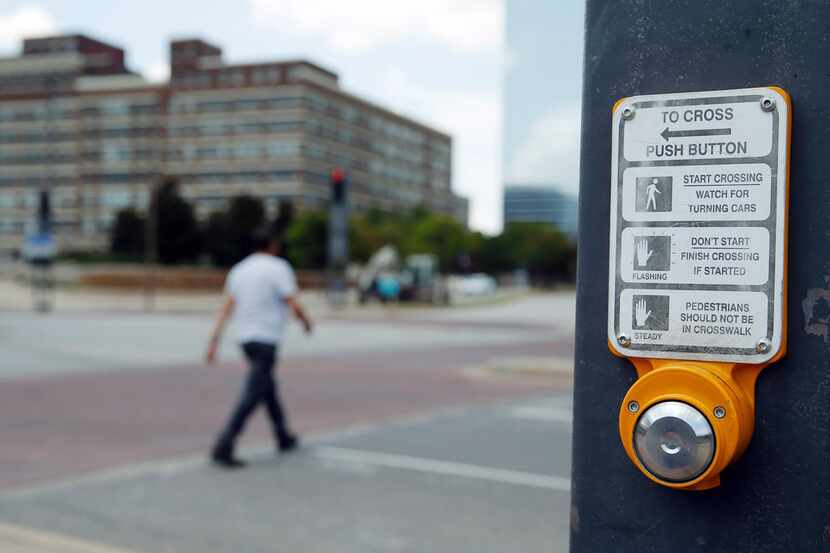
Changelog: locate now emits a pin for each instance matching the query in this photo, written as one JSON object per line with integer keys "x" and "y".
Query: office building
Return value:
{"x": 540, "y": 204}
{"x": 74, "y": 120}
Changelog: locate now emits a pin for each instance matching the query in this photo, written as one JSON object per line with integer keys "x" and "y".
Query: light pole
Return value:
{"x": 40, "y": 248}
{"x": 338, "y": 237}
{"x": 151, "y": 247}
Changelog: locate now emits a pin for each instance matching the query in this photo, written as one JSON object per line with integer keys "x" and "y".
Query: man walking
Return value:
{"x": 259, "y": 290}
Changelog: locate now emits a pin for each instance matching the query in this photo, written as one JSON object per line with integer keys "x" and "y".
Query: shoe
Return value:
{"x": 226, "y": 460}
{"x": 289, "y": 442}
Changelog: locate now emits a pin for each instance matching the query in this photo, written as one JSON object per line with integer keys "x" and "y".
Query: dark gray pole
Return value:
{"x": 151, "y": 245}
{"x": 43, "y": 278}
{"x": 338, "y": 238}
{"x": 776, "y": 498}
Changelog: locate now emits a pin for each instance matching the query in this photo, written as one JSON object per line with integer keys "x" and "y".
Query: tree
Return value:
{"x": 127, "y": 235}
{"x": 228, "y": 234}
{"x": 365, "y": 238}
{"x": 306, "y": 240}
{"x": 285, "y": 216}
{"x": 441, "y": 236}
{"x": 215, "y": 243}
{"x": 539, "y": 248}
{"x": 548, "y": 260}
{"x": 545, "y": 252}
{"x": 178, "y": 234}
{"x": 245, "y": 215}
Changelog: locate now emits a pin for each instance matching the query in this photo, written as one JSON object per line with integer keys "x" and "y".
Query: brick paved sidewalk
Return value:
{"x": 71, "y": 424}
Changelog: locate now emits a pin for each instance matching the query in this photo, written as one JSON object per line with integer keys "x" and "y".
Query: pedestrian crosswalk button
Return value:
{"x": 674, "y": 441}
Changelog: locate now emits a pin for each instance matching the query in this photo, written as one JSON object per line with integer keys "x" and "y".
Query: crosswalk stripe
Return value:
{"x": 550, "y": 414}
{"x": 448, "y": 468}
{"x": 21, "y": 539}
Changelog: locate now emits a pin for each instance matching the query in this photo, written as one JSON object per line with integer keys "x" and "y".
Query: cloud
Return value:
{"x": 474, "y": 112}
{"x": 474, "y": 119}
{"x": 158, "y": 71}
{"x": 550, "y": 151}
{"x": 356, "y": 26}
{"x": 452, "y": 38}
{"x": 512, "y": 59}
{"x": 26, "y": 21}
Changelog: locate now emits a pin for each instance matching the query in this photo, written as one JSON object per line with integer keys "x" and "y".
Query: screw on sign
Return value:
{"x": 699, "y": 190}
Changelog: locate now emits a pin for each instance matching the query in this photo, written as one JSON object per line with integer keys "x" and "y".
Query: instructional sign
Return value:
{"x": 698, "y": 225}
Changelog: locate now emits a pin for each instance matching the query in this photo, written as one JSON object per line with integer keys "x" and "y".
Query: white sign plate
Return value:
{"x": 698, "y": 225}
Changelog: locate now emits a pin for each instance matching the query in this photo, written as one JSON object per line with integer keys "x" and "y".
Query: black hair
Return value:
{"x": 262, "y": 237}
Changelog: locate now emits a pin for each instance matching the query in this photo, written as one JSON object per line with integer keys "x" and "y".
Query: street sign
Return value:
{"x": 699, "y": 187}
{"x": 39, "y": 248}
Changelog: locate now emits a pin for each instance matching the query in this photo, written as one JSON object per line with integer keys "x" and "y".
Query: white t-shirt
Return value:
{"x": 259, "y": 285}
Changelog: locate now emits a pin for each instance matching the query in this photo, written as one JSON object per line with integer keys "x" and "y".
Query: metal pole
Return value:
{"x": 151, "y": 221}
{"x": 42, "y": 268}
{"x": 338, "y": 239}
{"x": 151, "y": 248}
{"x": 774, "y": 498}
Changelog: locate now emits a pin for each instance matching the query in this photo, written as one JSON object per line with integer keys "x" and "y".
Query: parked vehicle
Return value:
{"x": 417, "y": 279}
{"x": 476, "y": 284}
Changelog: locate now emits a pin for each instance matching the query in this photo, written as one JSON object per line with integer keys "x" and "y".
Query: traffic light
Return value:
{"x": 338, "y": 239}
{"x": 44, "y": 212}
{"x": 338, "y": 186}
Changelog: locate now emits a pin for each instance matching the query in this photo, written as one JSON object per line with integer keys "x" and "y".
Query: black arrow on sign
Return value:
{"x": 666, "y": 134}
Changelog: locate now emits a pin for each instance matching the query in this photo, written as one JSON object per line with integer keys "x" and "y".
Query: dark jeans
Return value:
{"x": 261, "y": 387}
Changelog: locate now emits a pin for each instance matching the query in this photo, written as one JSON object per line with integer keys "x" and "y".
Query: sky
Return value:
{"x": 542, "y": 92}
{"x": 442, "y": 62}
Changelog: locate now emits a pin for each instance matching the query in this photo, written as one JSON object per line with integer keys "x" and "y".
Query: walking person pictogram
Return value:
{"x": 652, "y": 189}
{"x": 653, "y": 194}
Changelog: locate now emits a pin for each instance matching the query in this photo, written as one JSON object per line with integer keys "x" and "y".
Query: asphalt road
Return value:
{"x": 408, "y": 447}
{"x": 485, "y": 479}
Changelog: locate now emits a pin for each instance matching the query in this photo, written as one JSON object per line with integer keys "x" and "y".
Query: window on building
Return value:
{"x": 105, "y": 221}
{"x": 31, "y": 199}
{"x": 115, "y": 106}
{"x": 283, "y": 148}
{"x": 62, "y": 197}
{"x": 316, "y": 151}
{"x": 249, "y": 104}
{"x": 89, "y": 198}
{"x": 89, "y": 225}
{"x": 248, "y": 150}
{"x": 8, "y": 200}
{"x": 116, "y": 199}
{"x": 115, "y": 151}
{"x": 213, "y": 128}
{"x": 266, "y": 75}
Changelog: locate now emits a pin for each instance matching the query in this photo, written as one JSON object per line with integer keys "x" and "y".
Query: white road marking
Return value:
{"x": 448, "y": 468}
{"x": 21, "y": 539}
{"x": 170, "y": 467}
{"x": 166, "y": 468}
{"x": 549, "y": 414}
